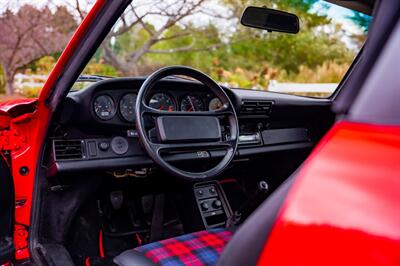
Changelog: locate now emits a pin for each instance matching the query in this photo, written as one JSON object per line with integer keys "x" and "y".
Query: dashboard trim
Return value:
{"x": 110, "y": 164}
{"x": 288, "y": 111}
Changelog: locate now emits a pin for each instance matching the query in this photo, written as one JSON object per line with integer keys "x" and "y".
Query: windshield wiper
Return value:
{"x": 91, "y": 78}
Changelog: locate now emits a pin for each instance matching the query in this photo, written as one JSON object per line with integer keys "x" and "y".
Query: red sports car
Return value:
{"x": 135, "y": 171}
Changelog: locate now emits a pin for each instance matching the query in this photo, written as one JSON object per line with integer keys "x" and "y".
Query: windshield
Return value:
{"x": 206, "y": 35}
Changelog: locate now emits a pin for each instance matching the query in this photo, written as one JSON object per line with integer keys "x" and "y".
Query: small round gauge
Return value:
{"x": 104, "y": 107}
{"x": 192, "y": 103}
{"x": 127, "y": 107}
{"x": 162, "y": 102}
{"x": 215, "y": 104}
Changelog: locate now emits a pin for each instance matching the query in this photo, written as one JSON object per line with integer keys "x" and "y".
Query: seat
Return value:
{"x": 221, "y": 247}
{"x": 199, "y": 248}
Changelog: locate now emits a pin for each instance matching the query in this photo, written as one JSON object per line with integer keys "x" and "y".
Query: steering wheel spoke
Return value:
{"x": 154, "y": 112}
{"x": 162, "y": 147}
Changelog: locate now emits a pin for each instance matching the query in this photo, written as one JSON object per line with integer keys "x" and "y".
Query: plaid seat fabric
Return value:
{"x": 196, "y": 249}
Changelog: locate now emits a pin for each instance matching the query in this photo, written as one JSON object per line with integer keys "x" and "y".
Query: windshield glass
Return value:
{"x": 206, "y": 35}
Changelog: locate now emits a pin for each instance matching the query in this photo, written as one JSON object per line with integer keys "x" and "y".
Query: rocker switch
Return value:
{"x": 205, "y": 206}
{"x": 212, "y": 190}
{"x": 217, "y": 204}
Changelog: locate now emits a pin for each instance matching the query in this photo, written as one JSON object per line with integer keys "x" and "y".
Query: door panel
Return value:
{"x": 7, "y": 200}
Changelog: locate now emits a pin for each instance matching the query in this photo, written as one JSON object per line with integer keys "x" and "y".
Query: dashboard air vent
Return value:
{"x": 68, "y": 150}
{"x": 255, "y": 108}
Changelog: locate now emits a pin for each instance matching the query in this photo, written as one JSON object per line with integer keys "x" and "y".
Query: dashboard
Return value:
{"x": 95, "y": 129}
{"x": 112, "y": 102}
{"x": 105, "y": 106}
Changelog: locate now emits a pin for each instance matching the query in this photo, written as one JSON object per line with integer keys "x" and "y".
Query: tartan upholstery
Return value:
{"x": 196, "y": 249}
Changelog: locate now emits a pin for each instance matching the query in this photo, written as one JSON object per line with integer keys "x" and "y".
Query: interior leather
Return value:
{"x": 132, "y": 257}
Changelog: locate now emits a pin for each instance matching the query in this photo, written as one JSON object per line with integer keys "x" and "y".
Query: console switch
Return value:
{"x": 217, "y": 204}
{"x": 213, "y": 205}
{"x": 205, "y": 206}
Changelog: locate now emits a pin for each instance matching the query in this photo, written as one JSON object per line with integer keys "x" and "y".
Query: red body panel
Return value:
{"x": 344, "y": 208}
{"x": 33, "y": 127}
{"x": 6, "y": 106}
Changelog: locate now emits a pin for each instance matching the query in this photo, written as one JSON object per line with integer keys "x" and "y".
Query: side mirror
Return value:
{"x": 270, "y": 20}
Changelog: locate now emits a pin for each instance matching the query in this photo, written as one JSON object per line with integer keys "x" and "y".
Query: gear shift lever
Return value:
{"x": 249, "y": 205}
{"x": 116, "y": 198}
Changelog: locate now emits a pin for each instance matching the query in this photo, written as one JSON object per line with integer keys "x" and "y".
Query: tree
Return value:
{"x": 362, "y": 21}
{"x": 30, "y": 34}
{"x": 137, "y": 38}
{"x": 151, "y": 34}
{"x": 174, "y": 16}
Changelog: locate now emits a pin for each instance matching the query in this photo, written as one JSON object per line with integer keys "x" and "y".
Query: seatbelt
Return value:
{"x": 156, "y": 231}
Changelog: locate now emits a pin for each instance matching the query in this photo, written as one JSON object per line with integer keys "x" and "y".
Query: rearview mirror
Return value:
{"x": 270, "y": 19}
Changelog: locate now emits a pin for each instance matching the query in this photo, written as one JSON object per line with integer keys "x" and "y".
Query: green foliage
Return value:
{"x": 43, "y": 65}
{"x": 328, "y": 72}
{"x": 202, "y": 39}
{"x": 30, "y": 92}
{"x": 98, "y": 67}
{"x": 250, "y": 58}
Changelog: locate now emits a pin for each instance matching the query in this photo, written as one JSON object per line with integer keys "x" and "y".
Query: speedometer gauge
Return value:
{"x": 127, "y": 107}
{"x": 104, "y": 107}
{"x": 215, "y": 104}
{"x": 192, "y": 103}
{"x": 162, "y": 102}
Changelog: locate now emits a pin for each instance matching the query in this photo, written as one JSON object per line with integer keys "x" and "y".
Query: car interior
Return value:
{"x": 100, "y": 181}
{"x": 134, "y": 160}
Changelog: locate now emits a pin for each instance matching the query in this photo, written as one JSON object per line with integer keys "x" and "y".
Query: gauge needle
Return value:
{"x": 191, "y": 103}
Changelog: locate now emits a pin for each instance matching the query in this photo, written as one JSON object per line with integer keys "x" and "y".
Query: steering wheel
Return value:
{"x": 187, "y": 131}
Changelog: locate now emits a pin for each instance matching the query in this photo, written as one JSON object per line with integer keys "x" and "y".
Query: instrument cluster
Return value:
{"x": 106, "y": 107}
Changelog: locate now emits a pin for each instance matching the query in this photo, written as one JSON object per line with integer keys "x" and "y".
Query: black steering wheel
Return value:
{"x": 198, "y": 131}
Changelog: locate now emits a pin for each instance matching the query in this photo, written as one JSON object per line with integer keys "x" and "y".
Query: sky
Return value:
{"x": 341, "y": 15}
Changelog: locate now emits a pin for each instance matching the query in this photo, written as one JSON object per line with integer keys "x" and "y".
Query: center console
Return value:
{"x": 212, "y": 203}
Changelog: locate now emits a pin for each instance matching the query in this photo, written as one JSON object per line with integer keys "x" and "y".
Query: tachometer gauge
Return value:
{"x": 215, "y": 104}
{"x": 104, "y": 107}
{"x": 127, "y": 107}
{"x": 163, "y": 102}
{"x": 192, "y": 103}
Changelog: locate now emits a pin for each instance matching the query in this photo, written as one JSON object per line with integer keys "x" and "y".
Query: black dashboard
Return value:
{"x": 112, "y": 101}
{"x": 95, "y": 129}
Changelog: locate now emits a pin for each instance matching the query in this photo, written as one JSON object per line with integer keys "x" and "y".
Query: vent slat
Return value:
{"x": 69, "y": 154}
{"x": 68, "y": 149}
{"x": 256, "y": 107}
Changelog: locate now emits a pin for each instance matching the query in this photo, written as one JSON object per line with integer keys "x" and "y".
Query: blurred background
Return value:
{"x": 204, "y": 34}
